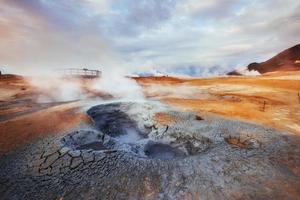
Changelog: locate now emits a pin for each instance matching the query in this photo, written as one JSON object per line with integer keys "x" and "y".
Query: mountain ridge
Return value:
{"x": 287, "y": 60}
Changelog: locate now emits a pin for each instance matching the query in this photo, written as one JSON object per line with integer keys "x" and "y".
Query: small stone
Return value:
{"x": 75, "y": 153}
{"x": 64, "y": 150}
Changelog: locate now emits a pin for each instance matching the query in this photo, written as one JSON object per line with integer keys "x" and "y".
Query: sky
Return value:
{"x": 189, "y": 37}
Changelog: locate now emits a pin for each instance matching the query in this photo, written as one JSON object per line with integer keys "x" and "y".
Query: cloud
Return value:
{"x": 130, "y": 17}
{"x": 207, "y": 9}
{"x": 37, "y": 43}
{"x": 164, "y": 35}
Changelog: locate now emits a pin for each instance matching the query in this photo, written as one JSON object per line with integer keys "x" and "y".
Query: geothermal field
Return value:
{"x": 229, "y": 137}
{"x": 149, "y": 100}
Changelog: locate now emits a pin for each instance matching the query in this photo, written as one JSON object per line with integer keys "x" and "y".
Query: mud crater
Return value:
{"x": 85, "y": 140}
{"x": 130, "y": 128}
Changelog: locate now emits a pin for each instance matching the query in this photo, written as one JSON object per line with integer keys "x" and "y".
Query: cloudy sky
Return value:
{"x": 170, "y": 36}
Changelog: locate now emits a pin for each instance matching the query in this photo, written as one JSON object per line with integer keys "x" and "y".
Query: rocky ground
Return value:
{"x": 146, "y": 150}
{"x": 188, "y": 139}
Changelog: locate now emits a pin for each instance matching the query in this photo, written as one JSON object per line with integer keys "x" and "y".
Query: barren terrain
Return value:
{"x": 22, "y": 119}
{"x": 235, "y": 97}
{"x": 214, "y": 138}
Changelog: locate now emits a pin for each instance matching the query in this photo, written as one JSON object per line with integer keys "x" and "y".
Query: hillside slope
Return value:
{"x": 287, "y": 60}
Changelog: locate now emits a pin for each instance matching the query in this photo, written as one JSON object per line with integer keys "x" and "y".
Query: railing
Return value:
{"x": 84, "y": 73}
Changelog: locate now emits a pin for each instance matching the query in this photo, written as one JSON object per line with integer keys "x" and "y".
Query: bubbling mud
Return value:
{"x": 131, "y": 128}
{"x": 162, "y": 151}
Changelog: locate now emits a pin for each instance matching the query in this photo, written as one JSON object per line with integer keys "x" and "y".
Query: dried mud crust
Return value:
{"x": 130, "y": 156}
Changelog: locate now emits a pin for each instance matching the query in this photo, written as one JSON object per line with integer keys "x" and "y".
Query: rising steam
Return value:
{"x": 62, "y": 89}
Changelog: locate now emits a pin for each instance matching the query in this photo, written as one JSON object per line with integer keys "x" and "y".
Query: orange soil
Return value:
{"x": 13, "y": 110}
{"x": 24, "y": 128}
{"x": 233, "y": 97}
{"x": 164, "y": 118}
{"x": 240, "y": 98}
{"x": 21, "y": 130}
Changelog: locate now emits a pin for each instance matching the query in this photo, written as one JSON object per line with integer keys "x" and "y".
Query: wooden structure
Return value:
{"x": 82, "y": 73}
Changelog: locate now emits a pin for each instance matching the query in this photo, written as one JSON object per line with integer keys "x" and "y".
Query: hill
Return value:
{"x": 287, "y": 60}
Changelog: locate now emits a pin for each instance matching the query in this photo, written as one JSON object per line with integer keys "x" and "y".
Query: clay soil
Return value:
{"x": 23, "y": 120}
{"x": 271, "y": 100}
{"x": 228, "y": 159}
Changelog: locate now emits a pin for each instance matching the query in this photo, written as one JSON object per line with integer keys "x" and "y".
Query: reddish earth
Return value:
{"x": 23, "y": 120}
{"x": 271, "y": 100}
{"x": 164, "y": 118}
{"x": 250, "y": 161}
{"x": 21, "y": 130}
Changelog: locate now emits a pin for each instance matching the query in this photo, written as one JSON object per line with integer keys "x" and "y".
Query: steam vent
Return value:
{"x": 147, "y": 150}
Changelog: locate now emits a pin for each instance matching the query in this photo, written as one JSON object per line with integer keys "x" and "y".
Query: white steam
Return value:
{"x": 247, "y": 72}
{"x": 60, "y": 89}
{"x": 56, "y": 89}
{"x": 119, "y": 87}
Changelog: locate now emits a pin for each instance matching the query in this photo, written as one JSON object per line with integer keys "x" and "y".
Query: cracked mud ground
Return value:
{"x": 128, "y": 154}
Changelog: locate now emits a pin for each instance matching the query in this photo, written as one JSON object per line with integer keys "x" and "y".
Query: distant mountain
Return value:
{"x": 184, "y": 71}
{"x": 234, "y": 73}
{"x": 287, "y": 60}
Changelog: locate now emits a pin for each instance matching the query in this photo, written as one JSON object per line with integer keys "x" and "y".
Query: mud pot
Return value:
{"x": 129, "y": 154}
